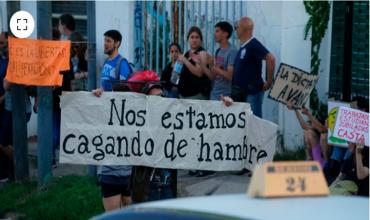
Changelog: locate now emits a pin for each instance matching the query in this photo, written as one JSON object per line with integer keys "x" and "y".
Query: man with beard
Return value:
{"x": 115, "y": 66}
{"x": 114, "y": 180}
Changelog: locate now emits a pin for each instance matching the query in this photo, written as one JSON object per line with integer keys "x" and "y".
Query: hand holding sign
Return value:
{"x": 289, "y": 105}
{"x": 360, "y": 144}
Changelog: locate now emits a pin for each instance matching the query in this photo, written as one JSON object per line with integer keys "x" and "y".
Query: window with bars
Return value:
{"x": 349, "y": 69}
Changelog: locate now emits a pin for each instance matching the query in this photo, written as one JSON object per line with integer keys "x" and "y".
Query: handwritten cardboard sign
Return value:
{"x": 352, "y": 125}
{"x": 288, "y": 179}
{"x": 333, "y": 108}
{"x": 37, "y": 62}
{"x": 292, "y": 84}
{"x": 133, "y": 129}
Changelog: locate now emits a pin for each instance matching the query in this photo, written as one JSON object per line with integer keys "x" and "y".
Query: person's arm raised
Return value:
{"x": 315, "y": 123}
{"x": 301, "y": 121}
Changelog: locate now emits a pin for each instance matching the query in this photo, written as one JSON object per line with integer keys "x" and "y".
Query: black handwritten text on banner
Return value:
{"x": 292, "y": 84}
{"x": 130, "y": 128}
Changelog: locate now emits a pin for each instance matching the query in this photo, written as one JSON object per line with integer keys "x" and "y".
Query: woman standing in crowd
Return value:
{"x": 170, "y": 88}
{"x": 193, "y": 83}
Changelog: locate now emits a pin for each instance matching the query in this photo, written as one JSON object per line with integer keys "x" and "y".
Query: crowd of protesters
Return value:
{"x": 230, "y": 74}
{"x": 346, "y": 169}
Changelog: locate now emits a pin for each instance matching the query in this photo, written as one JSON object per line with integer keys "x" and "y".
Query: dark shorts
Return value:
{"x": 109, "y": 190}
{"x": 120, "y": 187}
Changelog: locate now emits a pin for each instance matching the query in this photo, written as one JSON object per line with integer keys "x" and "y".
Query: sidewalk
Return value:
{"x": 219, "y": 183}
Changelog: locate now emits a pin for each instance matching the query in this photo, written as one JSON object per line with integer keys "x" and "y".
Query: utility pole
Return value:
{"x": 18, "y": 94}
{"x": 45, "y": 104}
{"x": 18, "y": 102}
{"x": 91, "y": 46}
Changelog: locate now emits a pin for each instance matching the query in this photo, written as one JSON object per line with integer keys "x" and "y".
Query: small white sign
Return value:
{"x": 352, "y": 125}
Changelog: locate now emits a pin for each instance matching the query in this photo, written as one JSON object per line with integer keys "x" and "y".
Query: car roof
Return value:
{"x": 243, "y": 206}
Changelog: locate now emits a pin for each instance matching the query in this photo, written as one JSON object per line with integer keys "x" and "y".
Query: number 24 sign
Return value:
{"x": 288, "y": 179}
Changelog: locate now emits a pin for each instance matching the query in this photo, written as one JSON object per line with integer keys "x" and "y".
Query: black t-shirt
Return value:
{"x": 82, "y": 65}
{"x": 189, "y": 84}
{"x": 248, "y": 67}
{"x": 363, "y": 185}
{"x": 349, "y": 169}
{"x": 166, "y": 77}
{"x": 68, "y": 76}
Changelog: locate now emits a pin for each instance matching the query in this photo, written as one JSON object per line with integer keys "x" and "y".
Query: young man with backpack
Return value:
{"x": 114, "y": 180}
{"x": 115, "y": 67}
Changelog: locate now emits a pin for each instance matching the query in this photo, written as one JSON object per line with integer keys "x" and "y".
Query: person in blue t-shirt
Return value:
{"x": 114, "y": 180}
{"x": 115, "y": 67}
{"x": 247, "y": 83}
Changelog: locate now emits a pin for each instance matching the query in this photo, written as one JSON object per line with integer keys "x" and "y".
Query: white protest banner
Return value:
{"x": 352, "y": 125}
{"x": 292, "y": 84}
{"x": 129, "y": 128}
{"x": 333, "y": 107}
{"x": 261, "y": 134}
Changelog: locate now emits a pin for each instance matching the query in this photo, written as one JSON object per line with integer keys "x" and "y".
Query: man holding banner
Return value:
{"x": 114, "y": 180}
{"x": 247, "y": 83}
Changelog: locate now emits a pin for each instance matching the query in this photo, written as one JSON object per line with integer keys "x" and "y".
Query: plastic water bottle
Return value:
{"x": 175, "y": 77}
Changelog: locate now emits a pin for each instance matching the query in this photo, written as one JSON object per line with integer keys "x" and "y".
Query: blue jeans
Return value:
{"x": 338, "y": 153}
{"x": 256, "y": 103}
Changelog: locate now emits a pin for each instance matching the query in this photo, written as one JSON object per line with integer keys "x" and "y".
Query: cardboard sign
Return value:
{"x": 37, "y": 62}
{"x": 133, "y": 129}
{"x": 292, "y": 84}
{"x": 288, "y": 179}
{"x": 332, "y": 115}
{"x": 352, "y": 125}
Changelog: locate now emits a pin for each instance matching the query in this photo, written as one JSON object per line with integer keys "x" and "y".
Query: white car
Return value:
{"x": 241, "y": 206}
